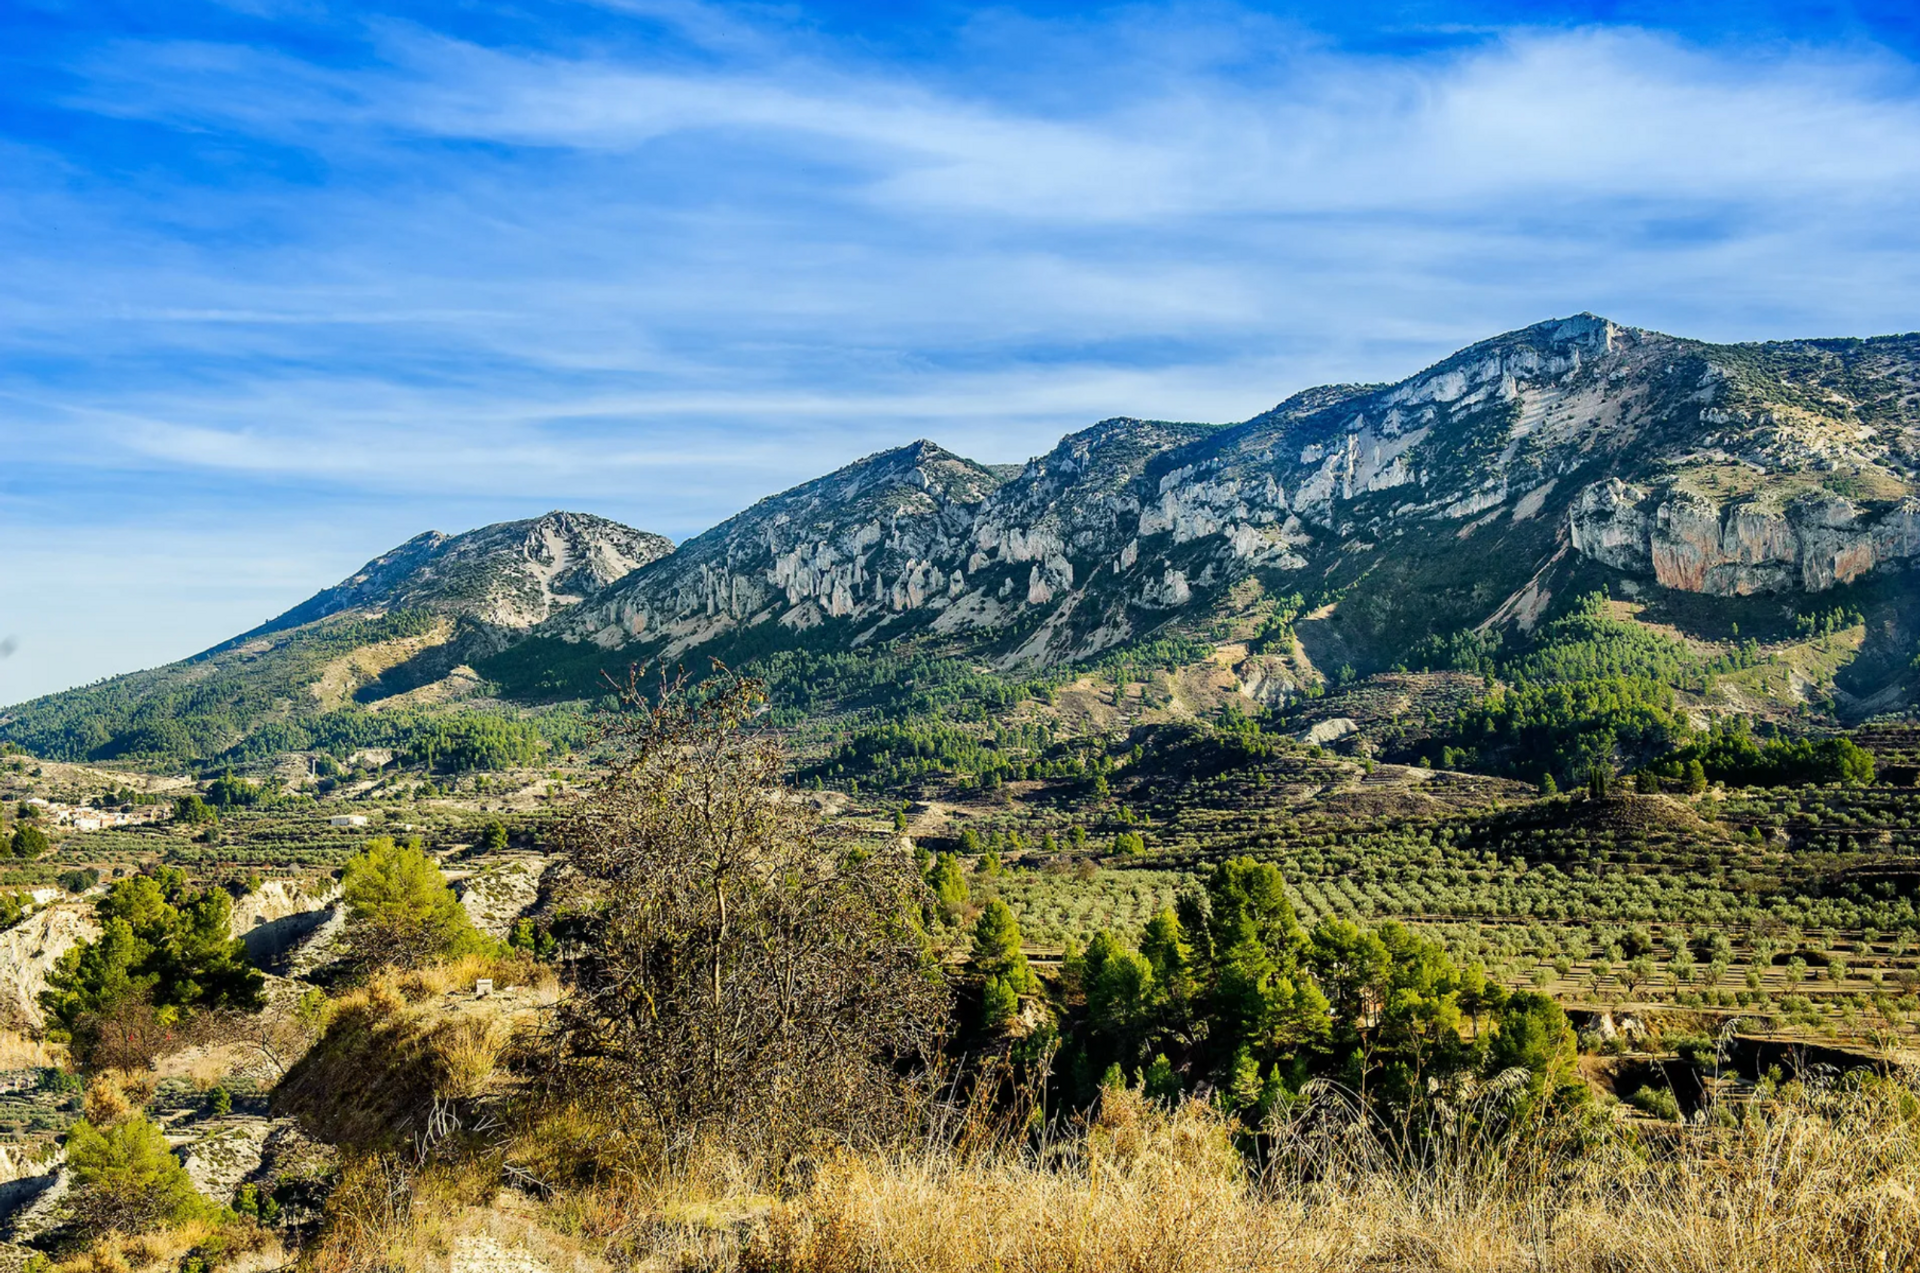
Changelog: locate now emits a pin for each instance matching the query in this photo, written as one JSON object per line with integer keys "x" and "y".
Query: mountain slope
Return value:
{"x": 880, "y": 537}
{"x": 1335, "y": 536}
{"x": 510, "y": 575}
{"x": 394, "y": 636}
{"x": 1469, "y": 494}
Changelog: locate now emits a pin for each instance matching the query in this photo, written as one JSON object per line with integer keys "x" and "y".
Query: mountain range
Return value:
{"x": 1720, "y": 483}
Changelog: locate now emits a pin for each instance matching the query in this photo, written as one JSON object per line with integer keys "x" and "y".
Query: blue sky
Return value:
{"x": 286, "y": 281}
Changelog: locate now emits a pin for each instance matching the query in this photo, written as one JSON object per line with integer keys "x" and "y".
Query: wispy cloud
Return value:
{"x": 660, "y": 258}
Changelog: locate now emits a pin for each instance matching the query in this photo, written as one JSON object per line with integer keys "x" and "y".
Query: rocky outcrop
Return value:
{"x": 1332, "y": 730}
{"x": 33, "y": 1206}
{"x": 220, "y": 1154}
{"x": 279, "y": 917}
{"x": 29, "y": 950}
{"x": 501, "y": 891}
{"x": 318, "y": 945}
{"x": 1128, "y": 525}
{"x": 277, "y": 900}
{"x": 508, "y": 576}
{"x": 884, "y": 536}
{"x": 1692, "y": 544}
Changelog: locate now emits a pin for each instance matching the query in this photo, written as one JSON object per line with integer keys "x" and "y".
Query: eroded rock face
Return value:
{"x": 500, "y": 891}
{"x": 277, "y": 900}
{"x": 276, "y": 919}
{"x": 1692, "y": 544}
{"x": 33, "y": 1206}
{"x": 1127, "y": 525}
{"x": 887, "y": 535}
{"x": 509, "y": 576}
{"x": 220, "y": 1154}
{"x": 29, "y": 950}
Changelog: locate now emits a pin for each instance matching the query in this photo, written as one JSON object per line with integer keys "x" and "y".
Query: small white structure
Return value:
{"x": 348, "y": 820}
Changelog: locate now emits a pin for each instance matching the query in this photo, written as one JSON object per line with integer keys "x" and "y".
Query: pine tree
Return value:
{"x": 30, "y": 842}
{"x": 999, "y": 1004}
{"x": 996, "y": 948}
{"x": 125, "y": 1177}
{"x": 1161, "y": 1082}
{"x": 404, "y": 911}
{"x": 949, "y": 883}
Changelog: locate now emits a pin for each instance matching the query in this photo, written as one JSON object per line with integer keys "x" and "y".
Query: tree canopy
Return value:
{"x": 126, "y": 1179}
{"x": 404, "y": 912}
{"x": 1230, "y": 990}
{"x": 162, "y": 943}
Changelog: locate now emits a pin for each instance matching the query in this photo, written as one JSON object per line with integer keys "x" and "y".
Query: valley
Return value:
{"x": 1545, "y": 719}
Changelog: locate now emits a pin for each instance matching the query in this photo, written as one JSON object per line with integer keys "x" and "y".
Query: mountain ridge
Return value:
{"x": 397, "y": 635}
{"x": 508, "y": 574}
{"x": 1129, "y": 520}
{"x": 1474, "y": 495}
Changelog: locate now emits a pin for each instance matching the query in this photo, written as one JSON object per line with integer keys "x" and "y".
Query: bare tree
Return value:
{"x": 278, "y": 1035}
{"x": 734, "y": 969}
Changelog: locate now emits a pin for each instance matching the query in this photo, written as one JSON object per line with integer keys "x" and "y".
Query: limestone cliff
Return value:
{"x": 881, "y": 537}
{"x": 1439, "y": 501}
{"x": 510, "y": 575}
{"x": 30, "y": 949}
{"x": 1466, "y": 495}
{"x": 1694, "y": 544}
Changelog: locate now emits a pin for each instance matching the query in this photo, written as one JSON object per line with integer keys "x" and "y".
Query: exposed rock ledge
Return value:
{"x": 1693, "y": 545}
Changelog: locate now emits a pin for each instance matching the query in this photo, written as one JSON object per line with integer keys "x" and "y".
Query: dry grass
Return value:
{"x": 1818, "y": 1179}
{"x": 1825, "y": 1182}
{"x": 387, "y": 1217}
{"x": 114, "y": 1094}
{"x": 402, "y": 1048}
{"x": 1833, "y": 1186}
{"x": 470, "y": 1050}
{"x": 219, "y": 1245}
{"x": 391, "y": 986}
{"x": 23, "y": 1052}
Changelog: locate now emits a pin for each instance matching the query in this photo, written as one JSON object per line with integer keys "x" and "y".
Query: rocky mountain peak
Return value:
{"x": 1359, "y": 520}
{"x": 861, "y": 543}
{"x": 510, "y": 575}
{"x": 1497, "y": 449}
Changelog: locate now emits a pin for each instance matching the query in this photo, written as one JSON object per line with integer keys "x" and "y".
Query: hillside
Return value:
{"x": 507, "y": 576}
{"x": 1649, "y": 995}
{"x": 1470, "y": 494}
{"x": 356, "y": 664}
{"x": 1737, "y": 495}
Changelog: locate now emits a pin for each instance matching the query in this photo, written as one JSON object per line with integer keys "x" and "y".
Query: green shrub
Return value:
{"x": 1656, "y": 1101}
{"x": 403, "y": 911}
{"x": 161, "y": 943}
{"x": 30, "y": 842}
{"x": 126, "y": 1179}
{"x": 999, "y": 1004}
